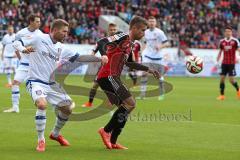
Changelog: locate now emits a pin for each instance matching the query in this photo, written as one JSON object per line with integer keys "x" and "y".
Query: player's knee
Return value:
{"x": 133, "y": 104}
{"x": 231, "y": 81}
{"x": 95, "y": 85}
{"x": 41, "y": 104}
{"x": 16, "y": 83}
{"x": 67, "y": 109}
{"x": 130, "y": 105}
{"x": 222, "y": 80}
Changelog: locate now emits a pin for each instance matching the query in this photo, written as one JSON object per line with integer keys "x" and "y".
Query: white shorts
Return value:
{"x": 147, "y": 59}
{"x": 54, "y": 93}
{"x": 8, "y": 62}
{"x": 22, "y": 73}
{"x": 155, "y": 64}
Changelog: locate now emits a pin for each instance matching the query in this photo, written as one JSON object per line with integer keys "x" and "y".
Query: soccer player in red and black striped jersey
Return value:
{"x": 112, "y": 29}
{"x": 136, "y": 57}
{"x": 228, "y": 46}
{"x": 118, "y": 50}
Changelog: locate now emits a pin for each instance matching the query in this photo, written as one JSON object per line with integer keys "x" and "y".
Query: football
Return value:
{"x": 194, "y": 64}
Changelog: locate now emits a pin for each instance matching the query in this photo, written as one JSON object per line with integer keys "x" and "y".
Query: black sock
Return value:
{"x": 235, "y": 84}
{"x": 115, "y": 133}
{"x": 118, "y": 119}
{"x": 222, "y": 87}
{"x": 133, "y": 76}
{"x": 92, "y": 94}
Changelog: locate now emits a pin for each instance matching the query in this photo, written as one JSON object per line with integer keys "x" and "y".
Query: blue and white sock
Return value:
{"x": 9, "y": 78}
{"x": 40, "y": 121}
{"x": 15, "y": 97}
{"x": 61, "y": 119}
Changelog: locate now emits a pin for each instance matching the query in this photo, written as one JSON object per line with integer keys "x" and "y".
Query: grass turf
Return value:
{"x": 192, "y": 125}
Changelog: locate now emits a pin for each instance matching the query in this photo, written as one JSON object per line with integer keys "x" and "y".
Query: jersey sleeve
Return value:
{"x": 4, "y": 42}
{"x": 221, "y": 45}
{"x": 18, "y": 36}
{"x": 95, "y": 50}
{"x": 29, "y": 40}
{"x": 238, "y": 43}
{"x": 162, "y": 37}
{"x": 102, "y": 46}
{"x": 69, "y": 55}
{"x": 25, "y": 41}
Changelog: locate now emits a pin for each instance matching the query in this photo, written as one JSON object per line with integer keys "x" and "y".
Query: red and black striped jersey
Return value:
{"x": 118, "y": 49}
{"x": 229, "y": 47}
{"x": 136, "y": 51}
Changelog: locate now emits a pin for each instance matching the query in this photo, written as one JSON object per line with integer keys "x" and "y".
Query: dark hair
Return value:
{"x": 112, "y": 25}
{"x": 59, "y": 23}
{"x": 151, "y": 17}
{"x": 32, "y": 17}
{"x": 137, "y": 20}
{"x": 228, "y": 27}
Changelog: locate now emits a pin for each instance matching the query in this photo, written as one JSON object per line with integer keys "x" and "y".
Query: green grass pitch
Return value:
{"x": 202, "y": 128}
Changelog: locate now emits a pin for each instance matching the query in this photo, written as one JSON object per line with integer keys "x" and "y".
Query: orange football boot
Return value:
{"x": 238, "y": 94}
{"x": 118, "y": 146}
{"x": 221, "y": 97}
{"x": 105, "y": 138}
{"x": 60, "y": 139}
{"x": 87, "y": 104}
{"x": 41, "y": 146}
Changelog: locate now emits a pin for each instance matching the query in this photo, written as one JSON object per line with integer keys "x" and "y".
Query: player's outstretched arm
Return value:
{"x": 90, "y": 58}
{"x": 137, "y": 66}
{"x": 155, "y": 73}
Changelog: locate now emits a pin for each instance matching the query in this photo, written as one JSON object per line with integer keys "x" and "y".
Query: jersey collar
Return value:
{"x": 52, "y": 39}
{"x": 228, "y": 39}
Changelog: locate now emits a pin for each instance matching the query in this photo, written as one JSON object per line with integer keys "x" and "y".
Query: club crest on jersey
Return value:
{"x": 38, "y": 92}
{"x": 232, "y": 42}
{"x": 59, "y": 51}
{"x": 227, "y": 48}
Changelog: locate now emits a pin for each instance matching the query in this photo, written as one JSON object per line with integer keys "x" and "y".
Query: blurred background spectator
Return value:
{"x": 197, "y": 24}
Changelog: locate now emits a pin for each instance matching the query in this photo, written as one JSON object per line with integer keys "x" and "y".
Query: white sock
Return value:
{"x": 61, "y": 119}
{"x": 161, "y": 86}
{"x": 9, "y": 78}
{"x": 144, "y": 80}
{"x": 15, "y": 97}
{"x": 40, "y": 121}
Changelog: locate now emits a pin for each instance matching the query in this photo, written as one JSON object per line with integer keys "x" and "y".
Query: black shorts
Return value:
{"x": 114, "y": 89}
{"x": 228, "y": 69}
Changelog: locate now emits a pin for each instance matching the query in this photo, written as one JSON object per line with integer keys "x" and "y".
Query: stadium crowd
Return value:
{"x": 197, "y": 24}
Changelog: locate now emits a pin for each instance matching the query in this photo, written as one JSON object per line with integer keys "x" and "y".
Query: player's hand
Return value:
{"x": 158, "y": 47}
{"x": 155, "y": 73}
{"x": 104, "y": 59}
{"x": 28, "y": 50}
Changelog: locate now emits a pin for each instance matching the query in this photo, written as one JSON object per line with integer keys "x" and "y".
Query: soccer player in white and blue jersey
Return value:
{"x": 155, "y": 40}
{"x": 8, "y": 54}
{"x": 22, "y": 71}
{"x": 47, "y": 50}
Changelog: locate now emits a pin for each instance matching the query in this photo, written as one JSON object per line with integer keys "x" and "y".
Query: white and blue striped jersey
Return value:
{"x": 26, "y": 34}
{"x": 154, "y": 38}
{"x": 44, "y": 60}
{"x": 7, "y": 42}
